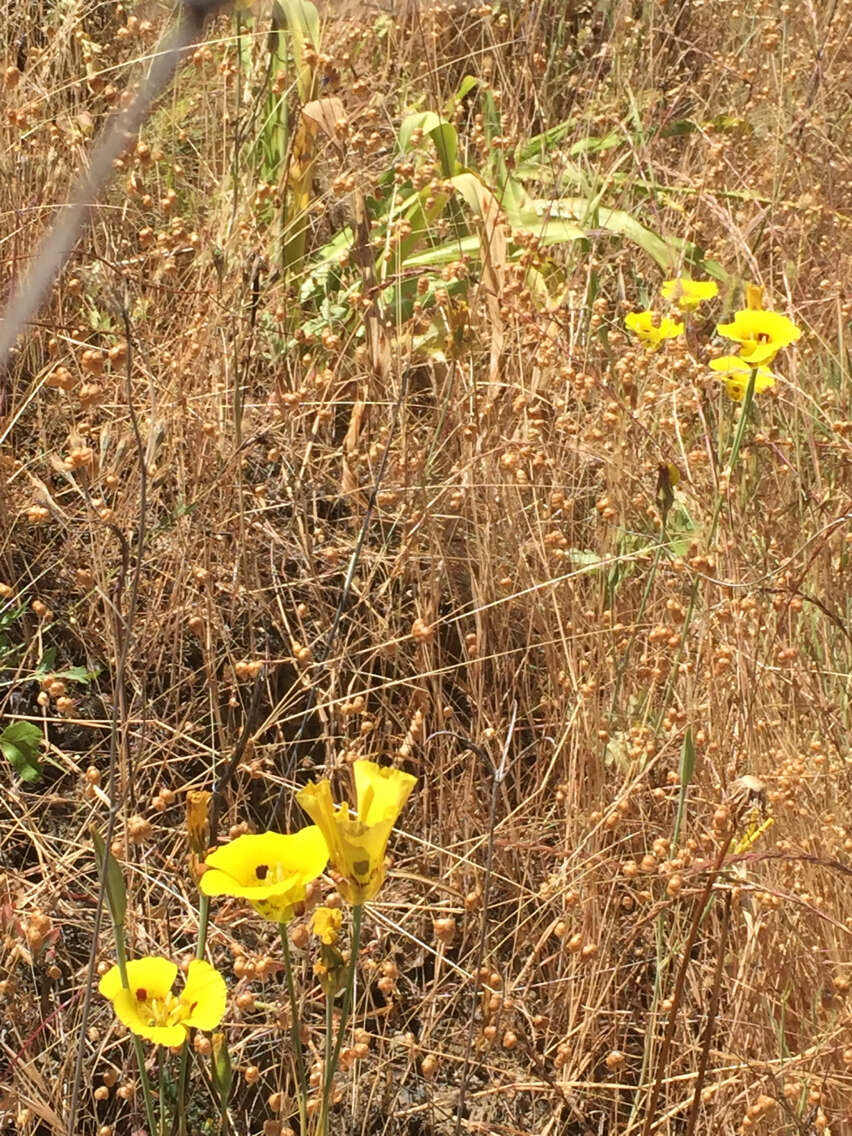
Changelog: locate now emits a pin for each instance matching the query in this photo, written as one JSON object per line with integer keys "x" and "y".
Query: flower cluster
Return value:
{"x": 272, "y": 872}
{"x": 760, "y": 334}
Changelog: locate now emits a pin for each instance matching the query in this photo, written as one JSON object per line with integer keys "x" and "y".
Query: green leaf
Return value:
{"x": 464, "y": 88}
{"x": 615, "y": 221}
{"x": 19, "y": 744}
{"x": 47, "y": 661}
{"x": 425, "y": 121}
{"x": 116, "y": 888}
{"x": 594, "y": 145}
{"x": 77, "y": 674}
{"x": 221, "y": 1069}
{"x": 442, "y": 133}
{"x": 550, "y": 230}
{"x": 303, "y": 22}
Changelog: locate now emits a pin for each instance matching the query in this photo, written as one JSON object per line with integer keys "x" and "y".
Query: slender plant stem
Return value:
{"x": 329, "y": 1030}
{"x": 296, "y": 1028}
{"x": 714, "y": 525}
{"x": 348, "y": 999}
{"x": 121, "y": 958}
{"x": 179, "y": 1120}
{"x": 161, "y": 1068}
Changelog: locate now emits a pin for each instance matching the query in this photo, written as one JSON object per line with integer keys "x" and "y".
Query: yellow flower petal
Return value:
{"x": 736, "y": 373}
{"x": 131, "y": 1013}
{"x": 688, "y": 294}
{"x": 150, "y": 1009}
{"x": 381, "y": 791}
{"x": 154, "y": 975}
{"x": 204, "y": 995}
{"x": 268, "y": 869}
{"x": 754, "y": 297}
{"x": 357, "y": 846}
{"x": 761, "y": 334}
{"x": 650, "y": 330}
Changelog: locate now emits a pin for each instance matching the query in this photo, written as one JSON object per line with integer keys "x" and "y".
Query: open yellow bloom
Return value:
{"x": 357, "y": 846}
{"x": 650, "y": 330}
{"x": 735, "y": 373}
{"x": 150, "y": 1009}
{"x": 761, "y": 334}
{"x": 688, "y": 294}
{"x": 268, "y": 869}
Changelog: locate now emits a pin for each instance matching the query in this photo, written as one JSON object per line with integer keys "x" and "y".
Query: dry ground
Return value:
{"x": 513, "y": 585}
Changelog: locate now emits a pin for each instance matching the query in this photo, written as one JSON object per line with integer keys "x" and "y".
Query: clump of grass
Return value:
{"x": 530, "y": 519}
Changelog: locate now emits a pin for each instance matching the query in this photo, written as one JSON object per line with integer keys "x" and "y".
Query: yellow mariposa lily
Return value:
{"x": 268, "y": 869}
{"x": 357, "y": 845}
{"x": 150, "y": 1009}
{"x": 688, "y": 294}
{"x": 650, "y": 330}
{"x": 761, "y": 334}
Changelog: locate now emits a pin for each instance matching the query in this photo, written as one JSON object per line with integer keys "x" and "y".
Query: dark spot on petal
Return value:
{"x": 361, "y": 869}
{"x": 261, "y": 871}
{"x": 192, "y": 1007}
{"x": 141, "y": 994}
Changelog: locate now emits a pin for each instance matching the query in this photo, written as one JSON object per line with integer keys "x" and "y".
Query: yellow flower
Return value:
{"x": 761, "y": 334}
{"x": 326, "y": 923}
{"x": 688, "y": 294}
{"x": 735, "y": 373}
{"x": 150, "y": 1009}
{"x": 650, "y": 330}
{"x": 357, "y": 846}
{"x": 268, "y": 869}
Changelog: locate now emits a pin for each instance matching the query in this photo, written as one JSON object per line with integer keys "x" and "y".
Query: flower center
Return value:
{"x": 166, "y": 1011}
{"x": 273, "y": 874}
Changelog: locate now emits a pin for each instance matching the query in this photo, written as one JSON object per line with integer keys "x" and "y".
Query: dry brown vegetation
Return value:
{"x": 509, "y": 583}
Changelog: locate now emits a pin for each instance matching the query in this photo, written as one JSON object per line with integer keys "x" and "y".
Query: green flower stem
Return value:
{"x": 161, "y": 1066}
{"x": 297, "y": 1030}
{"x": 714, "y": 525}
{"x": 327, "y": 1056}
{"x": 663, "y": 958}
{"x": 348, "y": 998}
{"x": 183, "y": 1075}
{"x": 121, "y": 958}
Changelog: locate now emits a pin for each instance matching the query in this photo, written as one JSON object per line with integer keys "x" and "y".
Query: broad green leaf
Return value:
{"x": 444, "y": 253}
{"x": 19, "y": 744}
{"x": 304, "y": 24}
{"x": 595, "y": 145}
{"x": 47, "y": 661}
{"x": 540, "y": 144}
{"x": 425, "y": 121}
{"x": 442, "y": 133}
{"x": 549, "y": 230}
{"x": 464, "y": 88}
{"x": 615, "y": 221}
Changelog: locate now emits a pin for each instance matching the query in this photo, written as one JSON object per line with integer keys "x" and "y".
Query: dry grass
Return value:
{"x": 515, "y": 533}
